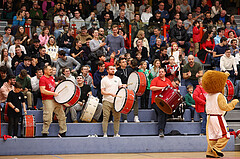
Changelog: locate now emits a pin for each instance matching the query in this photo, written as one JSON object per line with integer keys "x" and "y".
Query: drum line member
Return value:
{"x": 47, "y": 86}
{"x": 123, "y": 73}
{"x": 85, "y": 92}
{"x": 109, "y": 87}
{"x": 157, "y": 85}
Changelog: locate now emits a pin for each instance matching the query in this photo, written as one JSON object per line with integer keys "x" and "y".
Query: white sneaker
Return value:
{"x": 117, "y": 135}
{"x": 125, "y": 121}
{"x": 15, "y": 137}
{"x": 111, "y": 121}
{"x": 105, "y": 135}
{"x": 136, "y": 119}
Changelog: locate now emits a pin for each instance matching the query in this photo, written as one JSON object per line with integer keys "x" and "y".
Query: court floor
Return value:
{"x": 182, "y": 155}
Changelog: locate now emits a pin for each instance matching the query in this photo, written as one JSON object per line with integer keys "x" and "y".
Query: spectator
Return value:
{"x": 174, "y": 21}
{"x": 198, "y": 15}
{"x": 155, "y": 21}
{"x": 102, "y": 57}
{"x": 83, "y": 36}
{"x": 169, "y": 6}
{"x": 130, "y": 8}
{"x": 222, "y": 16}
{"x": 13, "y": 47}
{"x": 52, "y": 12}
{"x": 114, "y": 8}
{"x": 206, "y": 50}
{"x": 8, "y": 39}
{"x": 155, "y": 48}
{"x": 189, "y": 100}
{"x": 156, "y": 35}
{"x": 19, "y": 19}
{"x": 33, "y": 49}
{"x": 78, "y": 20}
{"x": 67, "y": 74}
{"x": 219, "y": 50}
{"x": 228, "y": 29}
{"x": 2, "y": 45}
{"x": 188, "y": 24}
{"x": 204, "y": 7}
{"x": 196, "y": 36}
{"x": 228, "y": 64}
{"x": 60, "y": 22}
{"x": 6, "y": 88}
{"x": 66, "y": 41}
{"x": 185, "y": 8}
{"x": 216, "y": 9}
{"x": 16, "y": 103}
{"x": 141, "y": 36}
{"x": 25, "y": 81}
{"x": 24, "y": 65}
{"x": 231, "y": 37}
{"x": 3, "y": 75}
{"x": 234, "y": 25}
{"x": 52, "y": 49}
{"x": 175, "y": 53}
{"x": 220, "y": 32}
{"x": 90, "y": 20}
{"x": 162, "y": 56}
{"x": 35, "y": 86}
{"x": 77, "y": 51}
{"x": 164, "y": 13}
{"x": 24, "y": 37}
{"x": 66, "y": 61}
{"x": 177, "y": 10}
{"x": 44, "y": 36}
{"x": 83, "y": 9}
{"x": 155, "y": 69}
{"x": 43, "y": 58}
{"x": 199, "y": 96}
{"x": 86, "y": 77}
{"x": 107, "y": 11}
{"x": 8, "y": 10}
{"x": 179, "y": 32}
{"x": 35, "y": 12}
{"x": 234, "y": 48}
{"x": 172, "y": 69}
{"x": 101, "y": 7}
{"x": 18, "y": 58}
{"x": 143, "y": 8}
{"x": 46, "y": 5}
{"x": 87, "y": 52}
{"x": 6, "y": 60}
{"x": 146, "y": 15}
{"x": 140, "y": 49}
{"x": 208, "y": 21}
{"x": 192, "y": 71}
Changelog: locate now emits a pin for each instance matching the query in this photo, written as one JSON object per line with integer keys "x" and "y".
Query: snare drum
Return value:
{"x": 229, "y": 90}
{"x": 68, "y": 93}
{"x": 124, "y": 100}
{"x": 28, "y": 126}
{"x": 89, "y": 109}
{"x": 168, "y": 100}
{"x": 137, "y": 82}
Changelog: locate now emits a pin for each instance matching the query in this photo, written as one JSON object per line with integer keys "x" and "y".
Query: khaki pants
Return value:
{"x": 217, "y": 145}
{"x": 107, "y": 107}
{"x": 29, "y": 98}
{"x": 50, "y": 106}
{"x": 196, "y": 48}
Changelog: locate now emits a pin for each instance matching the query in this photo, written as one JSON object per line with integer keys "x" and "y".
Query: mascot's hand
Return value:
{"x": 235, "y": 101}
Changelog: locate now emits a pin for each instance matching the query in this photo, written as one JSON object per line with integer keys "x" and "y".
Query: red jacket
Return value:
{"x": 196, "y": 35}
{"x": 199, "y": 95}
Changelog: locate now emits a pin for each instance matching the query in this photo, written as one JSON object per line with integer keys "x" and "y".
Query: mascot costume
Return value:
{"x": 217, "y": 134}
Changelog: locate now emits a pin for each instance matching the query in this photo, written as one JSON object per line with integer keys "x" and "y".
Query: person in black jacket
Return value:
{"x": 18, "y": 58}
{"x": 140, "y": 49}
{"x": 33, "y": 49}
{"x": 66, "y": 41}
{"x": 43, "y": 58}
{"x": 179, "y": 32}
{"x": 162, "y": 56}
{"x": 122, "y": 19}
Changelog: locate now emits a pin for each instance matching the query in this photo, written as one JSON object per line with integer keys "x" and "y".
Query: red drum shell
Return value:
{"x": 29, "y": 126}
{"x": 128, "y": 101}
{"x": 142, "y": 83}
{"x": 168, "y": 100}
{"x": 229, "y": 90}
{"x": 75, "y": 97}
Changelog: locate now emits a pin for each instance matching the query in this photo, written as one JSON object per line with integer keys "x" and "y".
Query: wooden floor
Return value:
{"x": 198, "y": 155}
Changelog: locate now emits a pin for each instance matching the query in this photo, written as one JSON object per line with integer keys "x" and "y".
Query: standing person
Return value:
{"x": 109, "y": 88}
{"x": 196, "y": 36}
{"x": 6, "y": 88}
{"x": 47, "y": 86}
{"x": 172, "y": 69}
{"x": 35, "y": 86}
{"x": 199, "y": 95}
{"x": 15, "y": 102}
{"x": 219, "y": 51}
{"x": 156, "y": 87}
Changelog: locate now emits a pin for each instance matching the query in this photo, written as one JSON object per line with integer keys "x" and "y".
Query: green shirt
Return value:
{"x": 194, "y": 70}
{"x": 189, "y": 100}
{"x": 148, "y": 76}
{"x": 26, "y": 82}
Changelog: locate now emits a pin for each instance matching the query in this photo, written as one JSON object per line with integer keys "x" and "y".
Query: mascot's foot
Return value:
{"x": 209, "y": 156}
{"x": 219, "y": 153}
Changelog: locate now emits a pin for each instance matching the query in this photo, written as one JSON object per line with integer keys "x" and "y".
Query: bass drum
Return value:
{"x": 89, "y": 109}
{"x": 229, "y": 90}
{"x": 68, "y": 93}
{"x": 137, "y": 82}
{"x": 28, "y": 126}
{"x": 124, "y": 100}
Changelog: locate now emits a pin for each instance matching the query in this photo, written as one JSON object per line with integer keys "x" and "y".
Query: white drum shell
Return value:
{"x": 133, "y": 82}
{"x": 120, "y": 100}
{"x": 89, "y": 109}
{"x": 67, "y": 89}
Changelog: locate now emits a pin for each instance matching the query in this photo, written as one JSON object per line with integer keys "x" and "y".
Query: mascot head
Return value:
{"x": 214, "y": 81}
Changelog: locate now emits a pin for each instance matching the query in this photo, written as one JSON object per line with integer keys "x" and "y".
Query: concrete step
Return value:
{"x": 234, "y": 125}
{"x": 3, "y": 23}
{"x": 126, "y": 129}
{"x": 79, "y": 145}
{"x": 233, "y": 115}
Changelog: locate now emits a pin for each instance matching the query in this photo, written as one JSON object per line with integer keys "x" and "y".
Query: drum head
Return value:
{"x": 66, "y": 90}
{"x": 119, "y": 101}
{"x": 133, "y": 81}
{"x": 163, "y": 106}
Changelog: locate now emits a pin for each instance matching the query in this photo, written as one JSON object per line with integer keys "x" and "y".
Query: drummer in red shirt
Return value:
{"x": 157, "y": 85}
{"x": 47, "y": 86}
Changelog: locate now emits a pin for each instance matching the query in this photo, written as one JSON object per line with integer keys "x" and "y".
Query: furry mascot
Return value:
{"x": 217, "y": 134}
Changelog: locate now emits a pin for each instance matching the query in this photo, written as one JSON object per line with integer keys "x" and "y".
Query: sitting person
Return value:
{"x": 35, "y": 86}
{"x": 85, "y": 92}
{"x": 172, "y": 69}
{"x": 189, "y": 100}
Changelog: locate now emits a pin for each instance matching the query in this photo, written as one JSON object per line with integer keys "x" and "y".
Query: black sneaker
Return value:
{"x": 218, "y": 153}
{"x": 161, "y": 133}
{"x": 44, "y": 135}
{"x": 62, "y": 135}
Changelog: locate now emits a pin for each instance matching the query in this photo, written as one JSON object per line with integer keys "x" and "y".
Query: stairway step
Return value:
{"x": 234, "y": 125}
{"x": 233, "y": 115}
{"x": 127, "y": 129}
{"x": 79, "y": 145}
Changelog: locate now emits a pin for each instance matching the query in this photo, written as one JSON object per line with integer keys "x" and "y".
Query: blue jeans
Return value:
{"x": 204, "y": 122}
{"x": 161, "y": 116}
{"x": 209, "y": 59}
{"x": 192, "y": 110}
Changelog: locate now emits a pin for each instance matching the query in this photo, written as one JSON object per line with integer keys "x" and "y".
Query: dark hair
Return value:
{"x": 223, "y": 39}
{"x": 62, "y": 53}
{"x": 3, "y": 69}
{"x": 18, "y": 38}
{"x": 176, "y": 79}
{"x": 36, "y": 41}
{"x": 163, "y": 48}
{"x": 18, "y": 85}
{"x": 45, "y": 67}
{"x": 65, "y": 68}
{"x": 233, "y": 40}
{"x": 27, "y": 58}
{"x": 88, "y": 39}
{"x": 195, "y": 22}
{"x": 41, "y": 47}
{"x": 219, "y": 30}
{"x": 100, "y": 63}
{"x": 60, "y": 78}
{"x": 227, "y": 49}
{"x": 23, "y": 73}
{"x": 134, "y": 63}
{"x": 83, "y": 28}
{"x": 205, "y": 36}
{"x": 120, "y": 59}
{"x": 2, "y": 54}
{"x": 7, "y": 27}
{"x": 101, "y": 54}
{"x": 18, "y": 46}
{"x": 37, "y": 69}
{"x": 230, "y": 32}
{"x": 10, "y": 77}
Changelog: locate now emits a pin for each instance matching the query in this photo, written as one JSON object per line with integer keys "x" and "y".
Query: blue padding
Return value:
{"x": 196, "y": 116}
{"x": 146, "y": 128}
{"x": 187, "y": 115}
{"x": 79, "y": 145}
{"x": 183, "y": 90}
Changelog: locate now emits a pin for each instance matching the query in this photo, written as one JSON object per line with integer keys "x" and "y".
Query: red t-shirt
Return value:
{"x": 49, "y": 84}
{"x": 158, "y": 82}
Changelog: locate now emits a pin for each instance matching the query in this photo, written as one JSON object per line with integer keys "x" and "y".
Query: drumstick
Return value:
{"x": 129, "y": 84}
{"x": 62, "y": 89}
{"x": 119, "y": 96}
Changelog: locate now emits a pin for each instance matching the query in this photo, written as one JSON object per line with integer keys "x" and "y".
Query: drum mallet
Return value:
{"x": 62, "y": 89}
{"x": 130, "y": 84}
{"x": 119, "y": 96}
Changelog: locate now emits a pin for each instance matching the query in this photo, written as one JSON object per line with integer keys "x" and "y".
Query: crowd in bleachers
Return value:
{"x": 86, "y": 36}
